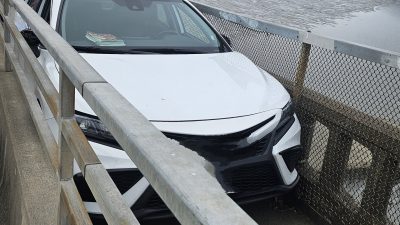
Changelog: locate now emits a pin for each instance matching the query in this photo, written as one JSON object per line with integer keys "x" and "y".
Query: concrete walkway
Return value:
{"x": 29, "y": 186}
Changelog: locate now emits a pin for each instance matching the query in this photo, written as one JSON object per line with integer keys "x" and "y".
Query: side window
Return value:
{"x": 191, "y": 27}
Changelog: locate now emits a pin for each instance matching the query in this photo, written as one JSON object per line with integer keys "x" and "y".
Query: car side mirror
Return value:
{"x": 228, "y": 40}
{"x": 32, "y": 40}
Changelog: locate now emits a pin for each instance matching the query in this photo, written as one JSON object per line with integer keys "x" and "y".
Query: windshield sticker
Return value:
{"x": 104, "y": 39}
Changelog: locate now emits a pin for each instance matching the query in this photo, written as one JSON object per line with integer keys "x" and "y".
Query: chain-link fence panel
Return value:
{"x": 349, "y": 109}
{"x": 358, "y": 101}
{"x": 273, "y": 53}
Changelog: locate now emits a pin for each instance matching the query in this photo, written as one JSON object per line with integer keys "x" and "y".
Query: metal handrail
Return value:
{"x": 369, "y": 53}
{"x": 177, "y": 174}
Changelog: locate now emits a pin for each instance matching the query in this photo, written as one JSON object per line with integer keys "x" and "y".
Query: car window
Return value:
{"x": 162, "y": 15}
{"x": 157, "y": 25}
{"x": 191, "y": 27}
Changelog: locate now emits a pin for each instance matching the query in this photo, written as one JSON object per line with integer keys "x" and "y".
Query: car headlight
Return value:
{"x": 287, "y": 120}
{"x": 288, "y": 110}
{"x": 95, "y": 130}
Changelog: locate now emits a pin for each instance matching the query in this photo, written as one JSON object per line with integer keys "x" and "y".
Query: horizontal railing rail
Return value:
{"x": 177, "y": 174}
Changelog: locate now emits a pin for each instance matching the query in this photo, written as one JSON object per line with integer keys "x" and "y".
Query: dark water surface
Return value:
{"x": 369, "y": 22}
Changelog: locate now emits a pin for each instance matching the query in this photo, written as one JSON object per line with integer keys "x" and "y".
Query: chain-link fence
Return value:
{"x": 349, "y": 109}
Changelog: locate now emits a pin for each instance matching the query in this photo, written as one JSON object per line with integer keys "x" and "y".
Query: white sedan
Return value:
{"x": 180, "y": 73}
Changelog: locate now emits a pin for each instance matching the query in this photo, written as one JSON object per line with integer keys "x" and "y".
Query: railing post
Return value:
{"x": 336, "y": 158}
{"x": 7, "y": 37}
{"x": 301, "y": 71}
{"x": 308, "y": 123}
{"x": 67, "y": 111}
{"x": 379, "y": 185}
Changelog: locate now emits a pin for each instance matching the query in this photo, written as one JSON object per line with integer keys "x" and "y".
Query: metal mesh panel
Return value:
{"x": 349, "y": 110}
{"x": 362, "y": 85}
{"x": 316, "y": 152}
{"x": 273, "y": 53}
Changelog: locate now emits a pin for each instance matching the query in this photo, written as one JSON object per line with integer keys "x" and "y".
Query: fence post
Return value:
{"x": 308, "y": 123}
{"x": 336, "y": 158}
{"x": 7, "y": 37}
{"x": 67, "y": 111}
{"x": 301, "y": 71}
{"x": 379, "y": 184}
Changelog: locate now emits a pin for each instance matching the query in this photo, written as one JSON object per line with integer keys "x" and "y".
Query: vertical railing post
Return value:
{"x": 380, "y": 182}
{"x": 67, "y": 111}
{"x": 7, "y": 37}
{"x": 301, "y": 71}
{"x": 308, "y": 123}
{"x": 335, "y": 160}
{"x": 306, "y": 136}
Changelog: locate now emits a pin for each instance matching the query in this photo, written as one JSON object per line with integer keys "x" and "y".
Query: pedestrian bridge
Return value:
{"x": 347, "y": 97}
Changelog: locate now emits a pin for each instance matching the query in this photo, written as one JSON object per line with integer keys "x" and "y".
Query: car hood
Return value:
{"x": 189, "y": 87}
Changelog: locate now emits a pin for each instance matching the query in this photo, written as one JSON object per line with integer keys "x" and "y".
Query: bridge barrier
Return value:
{"x": 348, "y": 100}
{"x": 177, "y": 174}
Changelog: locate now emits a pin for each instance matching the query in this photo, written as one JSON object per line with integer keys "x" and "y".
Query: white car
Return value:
{"x": 172, "y": 65}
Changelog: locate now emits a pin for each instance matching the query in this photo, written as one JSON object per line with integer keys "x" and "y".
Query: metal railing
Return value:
{"x": 348, "y": 102}
{"x": 177, "y": 174}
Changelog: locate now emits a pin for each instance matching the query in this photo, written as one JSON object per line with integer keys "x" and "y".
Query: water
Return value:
{"x": 379, "y": 28}
{"x": 370, "y": 22}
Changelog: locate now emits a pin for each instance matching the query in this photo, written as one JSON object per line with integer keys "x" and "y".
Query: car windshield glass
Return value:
{"x": 136, "y": 26}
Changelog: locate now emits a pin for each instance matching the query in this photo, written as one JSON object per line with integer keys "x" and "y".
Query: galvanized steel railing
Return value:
{"x": 177, "y": 174}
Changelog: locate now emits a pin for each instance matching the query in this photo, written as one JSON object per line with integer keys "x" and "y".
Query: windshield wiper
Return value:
{"x": 127, "y": 50}
{"x": 111, "y": 50}
{"x": 178, "y": 51}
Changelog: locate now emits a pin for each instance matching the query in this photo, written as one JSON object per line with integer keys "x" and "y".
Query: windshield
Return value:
{"x": 136, "y": 26}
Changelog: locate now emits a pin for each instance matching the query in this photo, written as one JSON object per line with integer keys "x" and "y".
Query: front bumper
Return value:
{"x": 251, "y": 177}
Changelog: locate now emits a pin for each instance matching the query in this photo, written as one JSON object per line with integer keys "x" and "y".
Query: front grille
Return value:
{"x": 254, "y": 177}
{"x": 123, "y": 179}
{"x": 224, "y": 148}
{"x": 155, "y": 202}
{"x": 291, "y": 157}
